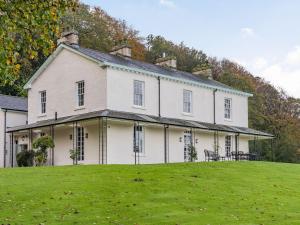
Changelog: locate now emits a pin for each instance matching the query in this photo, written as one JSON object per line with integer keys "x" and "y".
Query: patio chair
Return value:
{"x": 211, "y": 156}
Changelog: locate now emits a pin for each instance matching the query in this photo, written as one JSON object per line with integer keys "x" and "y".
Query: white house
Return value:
{"x": 116, "y": 110}
{"x": 13, "y": 112}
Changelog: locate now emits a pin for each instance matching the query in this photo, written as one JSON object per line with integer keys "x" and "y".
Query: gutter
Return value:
{"x": 154, "y": 122}
{"x": 16, "y": 110}
{"x": 142, "y": 71}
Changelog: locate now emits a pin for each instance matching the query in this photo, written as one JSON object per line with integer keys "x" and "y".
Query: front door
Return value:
{"x": 187, "y": 143}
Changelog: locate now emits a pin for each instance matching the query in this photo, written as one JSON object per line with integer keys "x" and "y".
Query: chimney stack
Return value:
{"x": 169, "y": 61}
{"x": 122, "y": 50}
{"x": 203, "y": 71}
{"x": 69, "y": 38}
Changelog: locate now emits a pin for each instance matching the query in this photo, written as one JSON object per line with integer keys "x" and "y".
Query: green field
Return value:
{"x": 193, "y": 193}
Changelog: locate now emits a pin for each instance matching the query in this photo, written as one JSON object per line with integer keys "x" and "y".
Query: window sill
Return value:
{"x": 42, "y": 115}
{"x": 139, "y": 107}
{"x": 228, "y": 120}
{"x": 79, "y": 108}
{"x": 187, "y": 114}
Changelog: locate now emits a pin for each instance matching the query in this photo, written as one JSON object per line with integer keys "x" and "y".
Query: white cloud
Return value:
{"x": 293, "y": 57}
{"x": 260, "y": 63}
{"x": 247, "y": 32}
{"x": 283, "y": 72}
{"x": 167, "y": 3}
{"x": 282, "y": 76}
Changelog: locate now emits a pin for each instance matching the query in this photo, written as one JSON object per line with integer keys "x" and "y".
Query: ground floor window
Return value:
{"x": 138, "y": 139}
{"x": 80, "y": 143}
{"x": 228, "y": 145}
{"x": 187, "y": 143}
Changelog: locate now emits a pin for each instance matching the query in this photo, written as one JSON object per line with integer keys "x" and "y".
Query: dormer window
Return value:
{"x": 227, "y": 108}
{"x": 139, "y": 93}
{"x": 187, "y": 101}
{"x": 80, "y": 93}
{"x": 43, "y": 99}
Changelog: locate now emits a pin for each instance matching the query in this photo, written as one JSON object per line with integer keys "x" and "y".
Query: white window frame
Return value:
{"x": 139, "y": 139}
{"x": 138, "y": 93}
{"x": 80, "y": 92}
{"x": 227, "y": 111}
{"x": 43, "y": 102}
{"x": 228, "y": 145}
{"x": 187, "y": 101}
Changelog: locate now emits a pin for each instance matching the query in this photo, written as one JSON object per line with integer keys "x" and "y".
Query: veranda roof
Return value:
{"x": 141, "y": 118}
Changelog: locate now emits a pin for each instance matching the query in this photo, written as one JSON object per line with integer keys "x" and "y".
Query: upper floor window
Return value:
{"x": 138, "y": 139}
{"x": 139, "y": 93}
{"x": 80, "y": 93}
{"x": 43, "y": 98}
{"x": 227, "y": 108}
{"x": 187, "y": 101}
{"x": 228, "y": 145}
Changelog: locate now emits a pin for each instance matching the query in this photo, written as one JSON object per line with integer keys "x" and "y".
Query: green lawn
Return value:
{"x": 195, "y": 193}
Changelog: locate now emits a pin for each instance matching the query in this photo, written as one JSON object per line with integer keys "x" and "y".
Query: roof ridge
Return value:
{"x": 159, "y": 66}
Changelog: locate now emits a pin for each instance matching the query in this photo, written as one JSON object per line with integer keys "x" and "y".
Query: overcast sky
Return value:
{"x": 262, "y": 35}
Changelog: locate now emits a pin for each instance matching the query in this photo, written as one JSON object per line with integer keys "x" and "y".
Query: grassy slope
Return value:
{"x": 197, "y": 193}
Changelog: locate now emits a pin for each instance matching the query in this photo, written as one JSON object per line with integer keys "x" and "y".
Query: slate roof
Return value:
{"x": 142, "y": 118}
{"x": 128, "y": 62}
{"x": 13, "y": 103}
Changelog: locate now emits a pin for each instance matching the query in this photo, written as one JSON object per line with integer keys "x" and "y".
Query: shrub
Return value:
{"x": 25, "y": 158}
{"x": 74, "y": 153}
{"x": 41, "y": 154}
{"x": 193, "y": 155}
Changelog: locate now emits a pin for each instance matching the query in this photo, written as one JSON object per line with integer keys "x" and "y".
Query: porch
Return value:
{"x": 110, "y": 137}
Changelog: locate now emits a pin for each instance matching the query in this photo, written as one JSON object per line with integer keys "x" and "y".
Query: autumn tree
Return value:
{"x": 97, "y": 30}
{"x": 28, "y": 33}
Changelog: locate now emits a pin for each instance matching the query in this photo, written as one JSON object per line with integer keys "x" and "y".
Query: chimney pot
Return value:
{"x": 168, "y": 61}
{"x": 69, "y": 38}
{"x": 206, "y": 72}
{"x": 122, "y": 50}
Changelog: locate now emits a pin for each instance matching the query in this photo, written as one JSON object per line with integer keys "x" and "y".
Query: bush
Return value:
{"x": 25, "y": 158}
{"x": 74, "y": 153}
{"x": 41, "y": 154}
{"x": 192, "y": 153}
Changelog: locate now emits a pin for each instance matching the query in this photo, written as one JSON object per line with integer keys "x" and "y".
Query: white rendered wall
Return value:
{"x": 176, "y": 145}
{"x": 120, "y": 92}
{"x": 239, "y": 112}
{"x": 120, "y": 144}
{"x": 120, "y": 97}
{"x": 63, "y": 144}
{"x": 59, "y": 80}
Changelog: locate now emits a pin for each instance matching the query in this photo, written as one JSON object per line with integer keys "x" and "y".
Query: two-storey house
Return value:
{"x": 117, "y": 110}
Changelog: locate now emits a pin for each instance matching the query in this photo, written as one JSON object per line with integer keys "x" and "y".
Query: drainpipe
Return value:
{"x": 214, "y": 119}
{"x": 158, "y": 78}
{"x": 4, "y": 146}
{"x": 12, "y": 149}
{"x": 236, "y": 146}
{"x": 214, "y": 102}
{"x": 166, "y": 143}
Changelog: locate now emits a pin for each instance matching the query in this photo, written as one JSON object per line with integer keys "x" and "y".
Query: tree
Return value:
{"x": 97, "y": 30}
{"x": 42, "y": 144}
{"x": 28, "y": 31}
